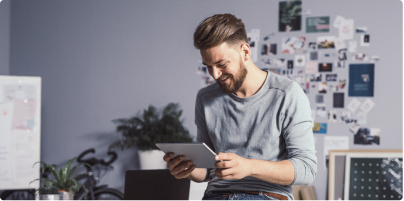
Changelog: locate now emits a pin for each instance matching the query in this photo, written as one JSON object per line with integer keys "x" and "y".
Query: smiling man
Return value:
{"x": 259, "y": 123}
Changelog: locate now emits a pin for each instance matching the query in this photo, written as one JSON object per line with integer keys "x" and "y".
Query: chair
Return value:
{"x": 155, "y": 185}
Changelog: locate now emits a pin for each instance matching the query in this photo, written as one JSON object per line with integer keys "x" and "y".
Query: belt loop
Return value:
{"x": 260, "y": 192}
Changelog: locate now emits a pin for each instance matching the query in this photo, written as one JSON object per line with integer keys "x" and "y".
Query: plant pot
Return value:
{"x": 66, "y": 195}
{"x": 49, "y": 196}
{"x": 152, "y": 159}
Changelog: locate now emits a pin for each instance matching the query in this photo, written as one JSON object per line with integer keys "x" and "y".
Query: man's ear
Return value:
{"x": 245, "y": 51}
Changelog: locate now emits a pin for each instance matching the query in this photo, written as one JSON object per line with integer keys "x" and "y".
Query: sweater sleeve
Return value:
{"x": 202, "y": 130}
{"x": 297, "y": 131}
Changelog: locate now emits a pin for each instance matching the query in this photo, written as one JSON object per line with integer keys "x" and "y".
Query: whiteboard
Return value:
{"x": 20, "y": 131}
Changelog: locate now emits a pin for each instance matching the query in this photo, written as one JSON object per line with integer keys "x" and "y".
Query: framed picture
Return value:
{"x": 371, "y": 176}
{"x": 337, "y": 169}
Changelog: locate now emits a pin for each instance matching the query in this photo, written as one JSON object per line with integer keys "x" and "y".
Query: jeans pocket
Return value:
{"x": 270, "y": 197}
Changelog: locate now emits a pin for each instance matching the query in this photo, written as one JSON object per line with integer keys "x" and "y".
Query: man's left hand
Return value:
{"x": 232, "y": 166}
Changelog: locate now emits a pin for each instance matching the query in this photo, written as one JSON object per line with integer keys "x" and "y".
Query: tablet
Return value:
{"x": 199, "y": 153}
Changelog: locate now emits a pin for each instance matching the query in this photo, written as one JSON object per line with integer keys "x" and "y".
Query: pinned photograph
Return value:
{"x": 290, "y": 16}
{"x": 374, "y": 58}
{"x": 346, "y": 29}
{"x": 272, "y": 49}
{"x": 365, "y": 40}
{"x": 308, "y": 78}
{"x": 280, "y": 62}
{"x": 319, "y": 128}
{"x": 291, "y": 45}
{"x": 268, "y": 49}
{"x": 340, "y": 64}
{"x": 312, "y": 45}
{"x": 331, "y": 77}
{"x": 321, "y": 110}
{"x": 325, "y": 42}
{"x": 317, "y": 24}
{"x": 299, "y": 78}
{"x": 264, "y": 49}
{"x": 300, "y": 60}
{"x": 361, "y": 29}
{"x": 329, "y": 55}
{"x": 360, "y": 57}
{"x": 345, "y": 117}
{"x": 253, "y": 38}
{"x": 319, "y": 99}
{"x": 290, "y": 64}
{"x": 313, "y": 56}
{"x": 267, "y": 62}
{"x": 338, "y": 100}
{"x": 367, "y": 136}
{"x": 342, "y": 54}
{"x": 315, "y": 78}
{"x": 269, "y": 36}
{"x": 352, "y": 46}
{"x": 342, "y": 83}
{"x": 311, "y": 67}
{"x": 325, "y": 67}
{"x": 322, "y": 87}
{"x": 332, "y": 116}
{"x": 333, "y": 87}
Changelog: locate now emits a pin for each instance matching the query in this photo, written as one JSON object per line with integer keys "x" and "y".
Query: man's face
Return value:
{"x": 225, "y": 65}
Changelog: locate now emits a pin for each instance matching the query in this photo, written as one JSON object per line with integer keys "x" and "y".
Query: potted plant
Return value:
{"x": 144, "y": 132}
{"x": 64, "y": 179}
{"x": 48, "y": 192}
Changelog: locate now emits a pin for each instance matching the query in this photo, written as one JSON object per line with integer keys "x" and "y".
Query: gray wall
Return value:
{"x": 102, "y": 60}
{"x": 5, "y": 37}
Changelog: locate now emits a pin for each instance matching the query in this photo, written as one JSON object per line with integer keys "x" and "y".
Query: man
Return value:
{"x": 258, "y": 122}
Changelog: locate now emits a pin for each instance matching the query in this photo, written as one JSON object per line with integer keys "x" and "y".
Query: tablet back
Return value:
{"x": 199, "y": 153}
{"x": 155, "y": 185}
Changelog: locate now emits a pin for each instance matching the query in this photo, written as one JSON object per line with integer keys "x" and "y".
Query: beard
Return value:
{"x": 235, "y": 82}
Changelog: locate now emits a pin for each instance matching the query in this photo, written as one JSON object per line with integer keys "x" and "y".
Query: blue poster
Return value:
{"x": 361, "y": 80}
{"x": 320, "y": 128}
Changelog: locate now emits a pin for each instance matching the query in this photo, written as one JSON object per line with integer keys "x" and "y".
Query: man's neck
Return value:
{"x": 253, "y": 82}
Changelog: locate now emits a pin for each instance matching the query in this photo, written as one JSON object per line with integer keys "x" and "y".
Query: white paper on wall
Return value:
{"x": 338, "y": 21}
{"x": 353, "y": 105}
{"x": 346, "y": 29}
{"x": 367, "y": 105}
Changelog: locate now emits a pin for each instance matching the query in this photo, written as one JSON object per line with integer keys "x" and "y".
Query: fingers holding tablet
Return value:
{"x": 178, "y": 168}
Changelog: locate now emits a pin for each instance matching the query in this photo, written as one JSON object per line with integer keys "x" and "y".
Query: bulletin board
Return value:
{"x": 20, "y": 131}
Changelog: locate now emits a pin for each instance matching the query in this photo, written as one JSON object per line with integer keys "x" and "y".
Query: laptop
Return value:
{"x": 155, "y": 185}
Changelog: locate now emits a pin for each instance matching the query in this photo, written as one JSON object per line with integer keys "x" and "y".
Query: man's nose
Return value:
{"x": 216, "y": 73}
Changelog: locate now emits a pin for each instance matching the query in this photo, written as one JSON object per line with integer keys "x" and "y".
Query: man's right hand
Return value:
{"x": 179, "y": 169}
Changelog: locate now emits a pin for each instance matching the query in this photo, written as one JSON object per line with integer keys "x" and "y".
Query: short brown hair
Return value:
{"x": 218, "y": 29}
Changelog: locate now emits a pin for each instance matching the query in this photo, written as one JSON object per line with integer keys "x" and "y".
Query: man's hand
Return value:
{"x": 232, "y": 166}
{"x": 179, "y": 169}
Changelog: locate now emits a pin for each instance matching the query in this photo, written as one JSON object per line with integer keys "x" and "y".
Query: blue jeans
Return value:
{"x": 236, "y": 196}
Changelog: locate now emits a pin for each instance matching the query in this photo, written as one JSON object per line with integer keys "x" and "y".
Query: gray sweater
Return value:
{"x": 274, "y": 124}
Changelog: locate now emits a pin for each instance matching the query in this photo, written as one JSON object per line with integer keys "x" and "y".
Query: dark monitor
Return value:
{"x": 155, "y": 185}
